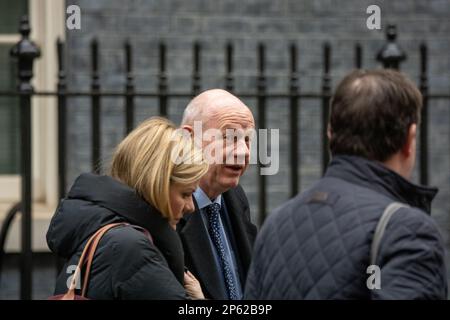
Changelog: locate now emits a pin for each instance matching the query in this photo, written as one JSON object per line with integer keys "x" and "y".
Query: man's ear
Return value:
{"x": 410, "y": 144}
{"x": 329, "y": 131}
{"x": 188, "y": 128}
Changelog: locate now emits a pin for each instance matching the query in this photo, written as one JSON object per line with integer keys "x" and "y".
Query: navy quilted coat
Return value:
{"x": 317, "y": 245}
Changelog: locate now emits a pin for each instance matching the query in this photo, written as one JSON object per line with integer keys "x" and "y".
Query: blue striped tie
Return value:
{"x": 213, "y": 211}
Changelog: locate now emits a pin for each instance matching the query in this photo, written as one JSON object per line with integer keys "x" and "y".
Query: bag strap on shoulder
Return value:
{"x": 86, "y": 258}
{"x": 381, "y": 227}
{"x": 88, "y": 255}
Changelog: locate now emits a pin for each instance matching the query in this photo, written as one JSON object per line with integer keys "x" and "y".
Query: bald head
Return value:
{"x": 223, "y": 118}
{"x": 211, "y": 104}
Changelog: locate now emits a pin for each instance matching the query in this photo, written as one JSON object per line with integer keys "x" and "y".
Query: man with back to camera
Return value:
{"x": 218, "y": 237}
{"x": 318, "y": 244}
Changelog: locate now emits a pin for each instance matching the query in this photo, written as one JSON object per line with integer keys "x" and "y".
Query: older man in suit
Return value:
{"x": 218, "y": 237}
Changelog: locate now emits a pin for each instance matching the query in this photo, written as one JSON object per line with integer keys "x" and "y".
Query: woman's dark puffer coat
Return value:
{"x": 126, "y": 264}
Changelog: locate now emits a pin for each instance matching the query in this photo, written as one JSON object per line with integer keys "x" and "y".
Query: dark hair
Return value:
{"x": 371, "y": 112}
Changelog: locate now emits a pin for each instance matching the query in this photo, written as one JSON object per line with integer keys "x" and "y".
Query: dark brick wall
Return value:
{"x": 245, "y": 23}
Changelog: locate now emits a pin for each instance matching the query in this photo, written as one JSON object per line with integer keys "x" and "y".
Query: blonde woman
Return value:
{"x": 149, "y": 191}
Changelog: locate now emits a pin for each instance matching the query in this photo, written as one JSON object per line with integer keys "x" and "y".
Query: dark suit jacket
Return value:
{"x": 199, "y": 257}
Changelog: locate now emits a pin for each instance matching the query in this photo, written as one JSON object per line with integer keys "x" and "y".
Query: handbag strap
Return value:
{"x": 91, "y": 253}
{"x": 86, "y": 258}
{"x": 94, "y": 247}
{"x": 381, "y": 227}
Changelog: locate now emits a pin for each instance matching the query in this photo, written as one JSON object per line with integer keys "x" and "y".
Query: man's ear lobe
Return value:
{"x": 408, "y": 148}
{"x": 413, "y": 130}
{"x": 188, "y": 129}
{"x": 329, "y": 131}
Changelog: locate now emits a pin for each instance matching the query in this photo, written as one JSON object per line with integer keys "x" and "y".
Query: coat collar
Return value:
{"x": 376, "y": 176}
{"x": 202, "y": 199}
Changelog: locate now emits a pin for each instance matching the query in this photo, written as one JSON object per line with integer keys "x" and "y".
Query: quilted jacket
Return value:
{"x": 317, "y": 245}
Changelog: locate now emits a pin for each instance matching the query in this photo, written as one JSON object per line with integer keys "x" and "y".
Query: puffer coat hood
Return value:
{"x": 95, "y": 201}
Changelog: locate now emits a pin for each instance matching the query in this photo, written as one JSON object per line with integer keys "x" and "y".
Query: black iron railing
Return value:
{"x": 25, "y": 51}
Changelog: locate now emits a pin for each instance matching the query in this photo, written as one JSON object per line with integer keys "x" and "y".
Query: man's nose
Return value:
{"x": 242, "y": 150}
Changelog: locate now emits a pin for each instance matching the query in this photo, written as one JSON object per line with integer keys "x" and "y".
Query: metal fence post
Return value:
{"x": 95, "y": 111}
{"x": 424, "y": 116}
{"x": 229, "y": 85}
{"x": 196, "y": 70}
{"x": 129, "y": 89}
{"x": 261, "y": 105}
{"x": 62, "y": 132}
{"x": 25, "y": 51}
{"x": 326, "y": 94}
{"x": 293, "y": 125}
{"x": 358, "y": 56}
{"x": 62, "y": 120}
{"x": 162, "y": 78}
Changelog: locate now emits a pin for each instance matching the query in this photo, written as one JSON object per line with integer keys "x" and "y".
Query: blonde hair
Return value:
{"x": 144, "y": 161}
